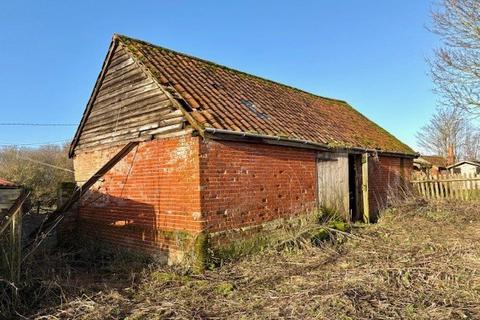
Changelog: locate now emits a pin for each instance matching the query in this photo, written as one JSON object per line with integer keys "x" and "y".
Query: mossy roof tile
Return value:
{"x": 218, "y": 91}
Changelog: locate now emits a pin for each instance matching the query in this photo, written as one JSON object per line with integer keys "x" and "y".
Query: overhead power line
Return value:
{"x": 9, "y": 144}
{"x": 37, "y": 124}
{"x": 45, "y": 164}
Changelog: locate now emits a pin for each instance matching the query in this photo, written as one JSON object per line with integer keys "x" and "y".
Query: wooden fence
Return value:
{"x": 448, "y": 186}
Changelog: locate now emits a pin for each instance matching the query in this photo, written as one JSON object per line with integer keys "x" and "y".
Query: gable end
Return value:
{"x": 126, "y": 104}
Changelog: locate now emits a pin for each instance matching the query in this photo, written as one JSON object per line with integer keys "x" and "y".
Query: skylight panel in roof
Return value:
{"x": 252, "y": 107}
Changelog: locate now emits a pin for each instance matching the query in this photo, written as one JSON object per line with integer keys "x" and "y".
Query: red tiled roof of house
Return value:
{"x": 5, "y": 183}
{"x": 437, "y": 161}
{"x": 222, "y": 98}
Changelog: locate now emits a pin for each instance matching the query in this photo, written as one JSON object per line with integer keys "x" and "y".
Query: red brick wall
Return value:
{"x": 183, "y": 185}
{"x": 388, "y": 176}
{"x": 247, "y": 184}
{"x": 155, "y": 187}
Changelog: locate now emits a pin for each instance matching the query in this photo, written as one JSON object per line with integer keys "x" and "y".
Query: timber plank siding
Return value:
{"x": 8, "y": 197}
{"x": 128, "y": 105}
{"x": 333, "y": 189}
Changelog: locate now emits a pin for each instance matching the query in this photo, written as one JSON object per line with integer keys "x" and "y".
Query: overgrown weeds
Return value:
{"x": 53, "y": 278}
{"x": 420, "y": 261}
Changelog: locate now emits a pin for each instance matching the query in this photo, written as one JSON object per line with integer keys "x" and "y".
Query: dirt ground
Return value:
{"x": 420, "y": 261}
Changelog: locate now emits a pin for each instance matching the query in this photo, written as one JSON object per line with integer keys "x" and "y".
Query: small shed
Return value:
{"x": 9, "y": 193}
{"x": 465, "y": 168}
{"x": 10, "y": 229}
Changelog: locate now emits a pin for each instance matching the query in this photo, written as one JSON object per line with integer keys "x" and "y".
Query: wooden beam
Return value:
{"x": 228, "y": 135}
{"x": 366, "y": 204}
{"x": 16, "y": 245}
{"x": 54, "y": 218}
{"x": 14, "y": 208}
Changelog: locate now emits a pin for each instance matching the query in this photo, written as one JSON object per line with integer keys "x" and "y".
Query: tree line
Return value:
{"x": 40, "y": 170}
{"x": 455, "y": 72}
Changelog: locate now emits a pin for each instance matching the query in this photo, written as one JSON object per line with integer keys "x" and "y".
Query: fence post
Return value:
{"x": 436, "y": 186}
{"x": 16, "y": 245}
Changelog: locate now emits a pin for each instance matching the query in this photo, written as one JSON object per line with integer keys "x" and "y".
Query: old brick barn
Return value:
{"x": 220, "y": 153}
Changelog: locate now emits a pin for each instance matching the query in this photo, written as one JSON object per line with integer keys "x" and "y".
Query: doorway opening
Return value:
{"x": 342, "y": 184}
{"x": 355, "y": 187}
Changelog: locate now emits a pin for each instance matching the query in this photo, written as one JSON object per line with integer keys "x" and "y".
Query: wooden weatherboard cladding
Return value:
{"x": 127, "y": 104}
{"x": 332, "y": 173}
{"x": 8, "y": 197}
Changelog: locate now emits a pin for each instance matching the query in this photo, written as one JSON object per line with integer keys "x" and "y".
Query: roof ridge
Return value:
{"x": 124, "y": 37}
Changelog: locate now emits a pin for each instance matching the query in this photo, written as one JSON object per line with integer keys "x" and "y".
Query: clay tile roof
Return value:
{"x": 236, "y": 101}
{"x": 5, "y": 183}
{"x": 437, "y": 161}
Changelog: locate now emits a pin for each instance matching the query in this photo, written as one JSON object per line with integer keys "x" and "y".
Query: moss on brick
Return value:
{"x": 200, "y": 251}
{"x": 177, "y": 235}
{"x": 231, "y": 245}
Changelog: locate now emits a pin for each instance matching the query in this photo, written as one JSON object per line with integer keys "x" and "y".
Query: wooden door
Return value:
{"x": 332, "y": 173}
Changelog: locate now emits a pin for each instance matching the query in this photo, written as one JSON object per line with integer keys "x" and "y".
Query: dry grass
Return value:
{"x": 421, "y": 261}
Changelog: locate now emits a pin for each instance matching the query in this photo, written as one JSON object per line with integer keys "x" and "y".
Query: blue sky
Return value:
{"x": 370, "y": 53}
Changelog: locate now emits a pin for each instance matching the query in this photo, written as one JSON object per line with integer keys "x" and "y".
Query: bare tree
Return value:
{"x": 471, "y": 148}
{"x": 455, "y": 68}
{"x": 450, "y": 126}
